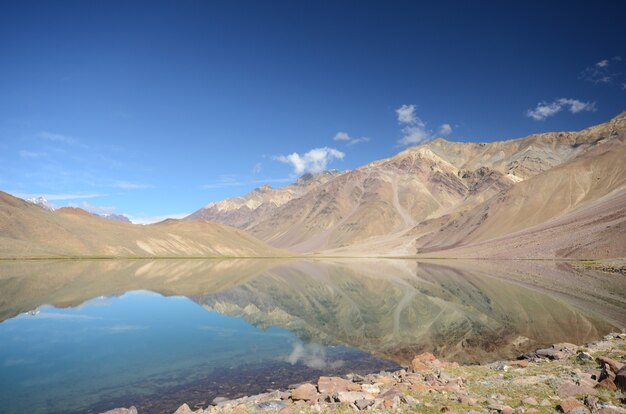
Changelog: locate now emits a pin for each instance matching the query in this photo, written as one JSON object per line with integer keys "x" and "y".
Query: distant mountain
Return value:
{"x": 444, "y": 196}
{"x": 260, "y": 202}
{"x": 27, "y": 230}
{"x": 116, "y": 217}
{"x": 41, "y": 202}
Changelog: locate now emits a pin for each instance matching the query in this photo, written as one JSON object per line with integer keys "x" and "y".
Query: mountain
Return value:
{"x": 27, "y": 230}
{"x": 259, "y": 203}
{"x": 444, "y": 196}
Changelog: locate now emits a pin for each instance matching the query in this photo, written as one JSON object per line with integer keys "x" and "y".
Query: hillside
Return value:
{"x": 442, "y": 196}
{"x": 27, "y": 230}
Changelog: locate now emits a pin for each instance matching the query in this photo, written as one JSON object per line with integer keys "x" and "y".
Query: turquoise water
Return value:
{"x": 140, "y": 343}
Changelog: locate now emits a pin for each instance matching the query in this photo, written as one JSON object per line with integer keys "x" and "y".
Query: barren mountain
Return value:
{"x": 259, "y": 203}
{"x": 27, "y": 230}
{"x": 444, "y": 195}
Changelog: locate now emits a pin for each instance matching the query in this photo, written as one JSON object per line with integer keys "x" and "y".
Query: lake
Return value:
{"x": 88, "y": 336}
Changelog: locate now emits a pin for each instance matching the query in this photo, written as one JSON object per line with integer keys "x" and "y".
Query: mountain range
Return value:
{"x": 546, "y": 195}
{"x": 550, "y": 195}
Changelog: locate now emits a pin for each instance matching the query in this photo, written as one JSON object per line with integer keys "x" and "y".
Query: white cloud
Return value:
{"x": 545, "y": 110}
{"x": 258, "y": 167}
{"x": 444, "y": 130}
{"x": 415, "y": 131}
{"x": 314, "y": 161}
{"x": 406, "y": 114}
{"x": 345, "y": 137}
{"x": 342, "y": 136}
{"x": 233, "y": 182}
{"x": 603, "y": 71}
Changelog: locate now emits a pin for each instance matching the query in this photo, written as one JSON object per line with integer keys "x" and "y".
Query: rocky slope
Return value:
{"x": 442, "y": 196}
{"x": 27, "y": 230}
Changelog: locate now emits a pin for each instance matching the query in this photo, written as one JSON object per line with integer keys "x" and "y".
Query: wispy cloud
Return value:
{"x": 92, "y": 208}
{"x": 32, "y": 154}
{"x": 605, "y": 71}
{"x": 50, "y": 136}
{"x": 414, "y": 130}
{"x": 345, "y": 137}
{"x": 59, "y": 197}
{"x": 313, "y": 161}
{"x": 127, "y": 185}
{"x": 545, "y": 110}
{"x": 445, "y": 130}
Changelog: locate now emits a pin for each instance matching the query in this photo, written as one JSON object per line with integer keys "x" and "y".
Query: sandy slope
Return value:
{"x": 27, "y": 230}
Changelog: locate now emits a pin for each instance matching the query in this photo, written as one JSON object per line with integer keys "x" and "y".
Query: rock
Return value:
{"x": 423, "y": 362}
{"x": 551, "y": 353}
{"x": 500, "y": 366}
{"x": 529, "y": 401}
{"x": 363, "y": 404}
{"x": 610, "y": 410}
{"x": 130, "y": 410}
{"x": 572, "y": 405}
{"x": 183, "y": 409}
{"x": 392, "y": 394}
{"x": 545, "y": 403}
{"x": 353, "y": 396}
{"x": 219, "y": 400}
{"x": 607, "y": 384}
{"x": 370, "y": 389}
{"x": 591, "y": 401}
{"x": 501, "y": 408}
{"x": 274, "y": 405}
{"x": 408, "y": 400}
{"x": 570, "y": 389}
{"x": 305, "y": 392}
{"x": 620, "y": 379}
{"x": 584, "y": 357}
{"x": 333, "y": 385}
{"x": 286, "y": 410}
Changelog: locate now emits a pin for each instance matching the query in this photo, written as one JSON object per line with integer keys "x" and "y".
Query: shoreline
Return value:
{"x": 565, "y": 377}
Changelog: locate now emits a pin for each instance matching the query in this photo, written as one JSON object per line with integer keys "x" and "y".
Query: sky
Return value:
{"x": 154, "y": 109}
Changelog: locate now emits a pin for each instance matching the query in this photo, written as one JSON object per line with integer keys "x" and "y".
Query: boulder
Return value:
{"x": 584, "y": 357}
{"x": 423, "y": 362}
{"x": 363, "y": 404}
{"x": 333, "y": 385}
{"x": 183, "y": 409}
{"x": 305, "y": 392}
{"x": 573, "y": 406}
{"x": 353, "y": 396}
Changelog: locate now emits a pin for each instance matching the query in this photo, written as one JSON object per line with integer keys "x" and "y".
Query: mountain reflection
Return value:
{"x": 463, "y": 311}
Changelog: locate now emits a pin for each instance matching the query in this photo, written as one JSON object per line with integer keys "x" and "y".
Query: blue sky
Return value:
{"x": 157, "y": 108}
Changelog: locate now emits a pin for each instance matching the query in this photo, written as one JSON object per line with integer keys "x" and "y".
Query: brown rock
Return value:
{"x": 570, "y": 405}
{"x": 333, "y": 385}
{"x": 529, "y": 401}
{"x": 420, "y": 387}
{"x": 569, "y": 389}
{"x": 423, "y": 362}
{"x": 392, "y": 393}
{"x": 286, "y": 410}
{"x": 608, "y": 384}
{"x": 306, "y": 392}
{"x": 522, "y": 363}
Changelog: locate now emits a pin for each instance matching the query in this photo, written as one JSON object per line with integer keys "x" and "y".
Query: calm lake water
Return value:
{"x": 87, "y": 336}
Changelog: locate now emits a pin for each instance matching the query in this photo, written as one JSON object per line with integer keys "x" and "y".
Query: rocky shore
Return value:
{"x": 563, "y": 378}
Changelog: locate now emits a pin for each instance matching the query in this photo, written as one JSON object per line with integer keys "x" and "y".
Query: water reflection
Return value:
{"x": 464, "y": 311}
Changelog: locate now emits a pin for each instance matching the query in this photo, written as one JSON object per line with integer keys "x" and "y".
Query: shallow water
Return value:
{"x": 102, "y": 334}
